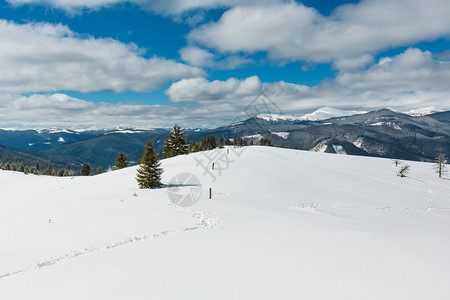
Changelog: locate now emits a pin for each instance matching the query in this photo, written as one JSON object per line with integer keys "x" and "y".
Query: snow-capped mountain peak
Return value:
{"x": 423, "y": 111}
{"x": 277, "y": 117}
{"x": 325, "y": 112}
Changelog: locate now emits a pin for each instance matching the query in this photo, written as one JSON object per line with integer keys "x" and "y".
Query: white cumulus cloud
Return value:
{"x": 198, "y": 57}
{"x": 40, "y": 57}
{"x": 201, "y": 90}
{"x": 412, "y": 70}
{"x": 292, "y": 31}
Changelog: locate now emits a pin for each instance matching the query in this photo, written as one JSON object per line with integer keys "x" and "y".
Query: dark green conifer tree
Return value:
{"x": 208, "y": 143}
{"x": 221, "y": 143}
{"x": 60, "y": 172}
{"x": 86, "y": 170}
{"x": 149, "y": 171}
{"x": 191, "y": 146}
{"x": 265, "y": 142}
{"x": 99, "y": 170}
{"x": 50, "y": 171}
{"x": 175, "y": 143}
{"x": 121, "y": 161}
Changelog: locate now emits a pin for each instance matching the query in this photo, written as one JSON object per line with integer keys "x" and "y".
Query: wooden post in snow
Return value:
{"x": 210, "y": 193}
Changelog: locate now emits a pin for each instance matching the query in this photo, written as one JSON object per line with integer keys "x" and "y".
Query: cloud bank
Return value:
{"x": 407, "y": 81}
{"x": 291, "y": 31}
{"x": 42, "y": 57}
{"x": 168, "y": 7}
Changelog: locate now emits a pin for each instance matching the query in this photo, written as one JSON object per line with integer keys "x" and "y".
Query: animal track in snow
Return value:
{"x": 203, "y": 221}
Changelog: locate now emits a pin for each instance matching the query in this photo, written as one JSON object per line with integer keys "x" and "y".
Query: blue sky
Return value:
{"x": 142, "y": 63}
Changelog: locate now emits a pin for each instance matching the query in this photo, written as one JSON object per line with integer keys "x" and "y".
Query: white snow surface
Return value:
{"x": 282, "y": 224}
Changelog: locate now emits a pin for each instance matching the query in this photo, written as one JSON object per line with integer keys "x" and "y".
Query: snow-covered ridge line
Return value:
{"x": 322, "y": 113}
{"x": 277, "y": 117}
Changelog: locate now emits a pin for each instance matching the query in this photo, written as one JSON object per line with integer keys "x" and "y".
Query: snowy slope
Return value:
{"x": 282, "y": 224}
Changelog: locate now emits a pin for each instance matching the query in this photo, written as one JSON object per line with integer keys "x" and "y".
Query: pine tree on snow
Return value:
{"x": 149, "y": 171}
{"x": 175, "y": 144}
{"x": 121, "y": 161}
{"x": 86, "y": 170}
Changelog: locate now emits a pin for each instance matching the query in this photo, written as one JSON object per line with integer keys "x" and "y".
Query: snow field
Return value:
{"x": 282, "y": 224}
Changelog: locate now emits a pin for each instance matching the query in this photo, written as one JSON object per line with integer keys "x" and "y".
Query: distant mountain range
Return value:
{"x": 382, "y": 133}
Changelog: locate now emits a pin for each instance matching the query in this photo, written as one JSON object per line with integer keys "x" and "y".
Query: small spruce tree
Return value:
{"x": 86, "y": 170}
{"x": 175, "y": 144}
{"x": 50, "y": 171}
{"x": 221, "y": 143}
{"x": 149, "y": 171}
{"x": 265, "y": 142}
{"x": 99, "y": 170}
{"x": 60, "y": 172}
{"x": 121, "y": 161}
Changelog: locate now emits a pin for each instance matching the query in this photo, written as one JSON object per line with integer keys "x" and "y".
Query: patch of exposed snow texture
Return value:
{"x": 358, "y": 142}
{"x": 59, "y": 131}
{"x": 390, "y": 124}
{"x": 61, "y": 140}
{"x": 339, "y": 149}
{"x": 254, "y": 136}
{"x": 123, "y": 131}
{"x": 321, "y": 147}
{"x": 283, "y": 135}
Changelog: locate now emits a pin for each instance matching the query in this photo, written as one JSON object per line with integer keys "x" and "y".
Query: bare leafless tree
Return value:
{"x": 403, "y": 170}
{"x": 440, "y": 164}
{"x": 396, "y": 162}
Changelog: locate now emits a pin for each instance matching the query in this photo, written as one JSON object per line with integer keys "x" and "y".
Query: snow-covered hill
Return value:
{"x": 281, "y": 224}
{"x": 329, "y": 112}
